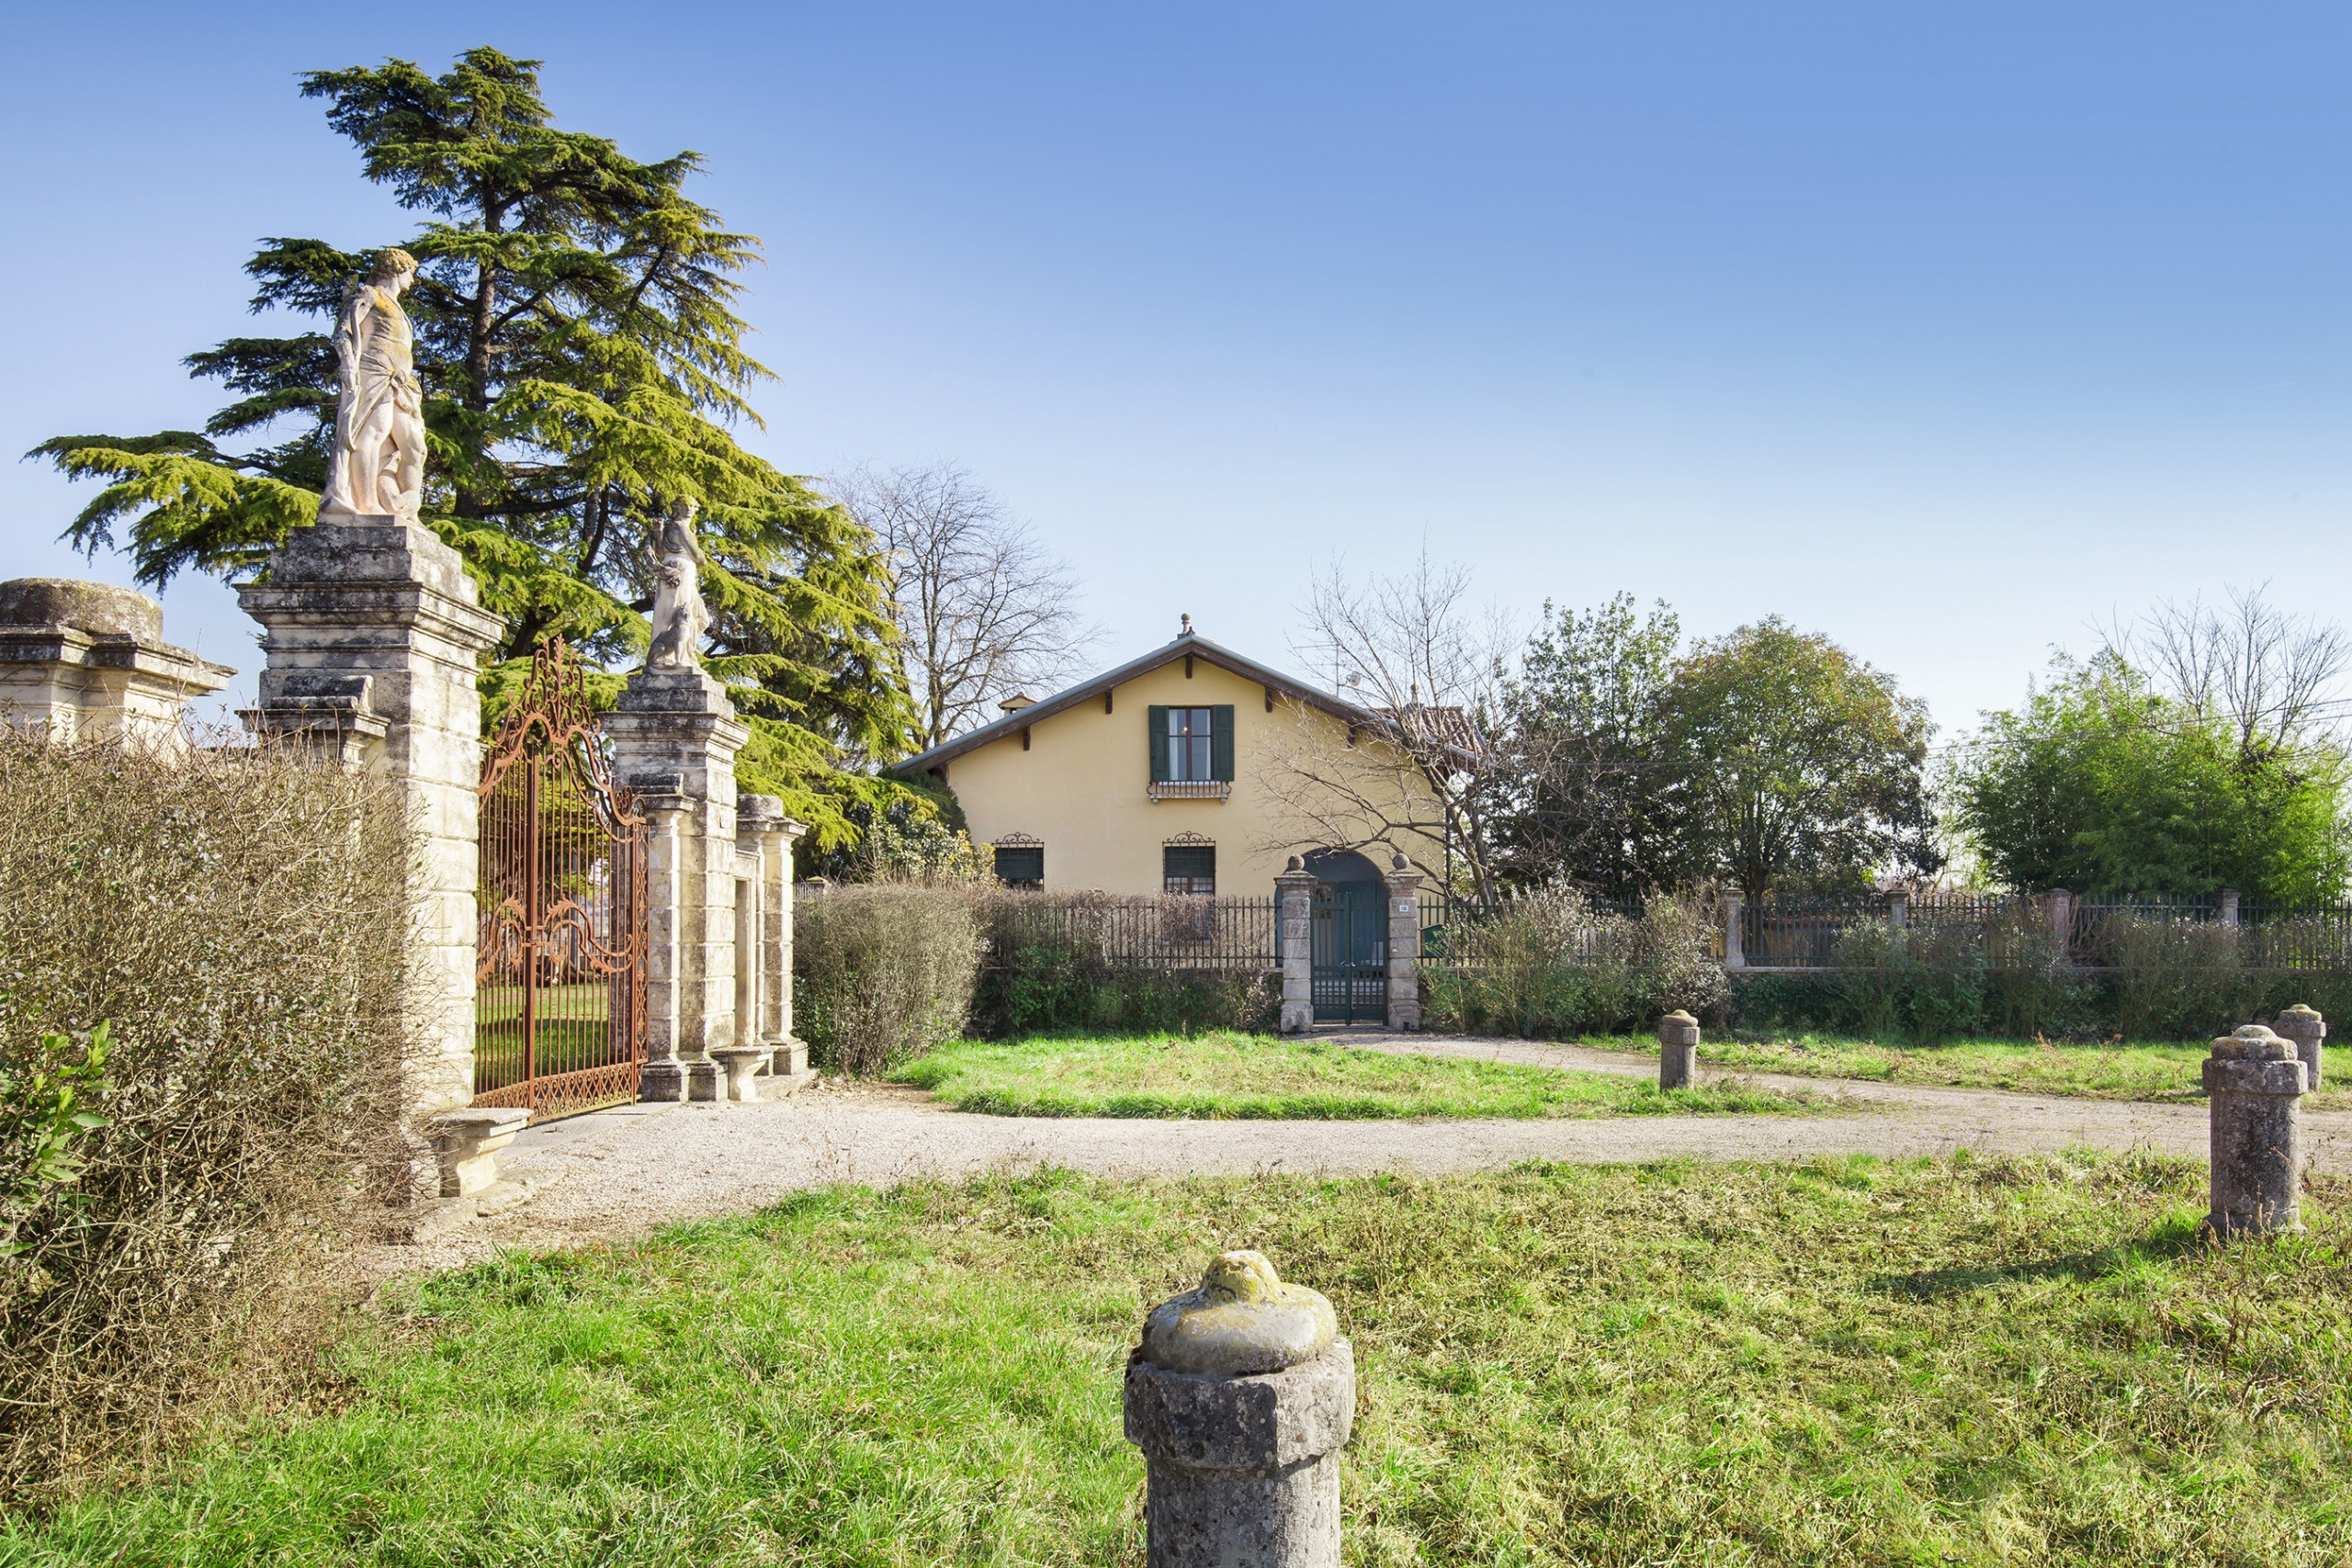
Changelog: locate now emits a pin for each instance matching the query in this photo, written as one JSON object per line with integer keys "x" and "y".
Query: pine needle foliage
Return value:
{"x": 583, "y": 366}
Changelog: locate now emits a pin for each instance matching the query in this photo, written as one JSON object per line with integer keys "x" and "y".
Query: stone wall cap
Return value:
{"x": 99, "y": 609}
{"x": 2251, "y": 1043}
{"x": 1241, "y": 1319}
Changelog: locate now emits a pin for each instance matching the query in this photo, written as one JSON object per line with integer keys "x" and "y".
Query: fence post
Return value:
{"x": 2229, "y": 910}
{"x": 1404, "y": 946}
{"x": 1898, "y": 908}
{"x": 760, "y": 818}
{"x": 1734, "y": 954}
{"x": 2058, "y": 909}
{"x": 1295, "y": 945}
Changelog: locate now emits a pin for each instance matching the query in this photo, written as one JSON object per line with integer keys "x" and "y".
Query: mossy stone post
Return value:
{"x": 1677, "y": 1050}
{"x": 1404, "y": 946}
{"x": 2308, "y": 1029}
{"x": 2254, "y": 1083}
{"x": 1240, "y": 1396}
{"x": 1295, "y": 945}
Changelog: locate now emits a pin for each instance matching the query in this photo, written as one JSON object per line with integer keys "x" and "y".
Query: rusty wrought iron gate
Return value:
{"x": 560, "y": 985}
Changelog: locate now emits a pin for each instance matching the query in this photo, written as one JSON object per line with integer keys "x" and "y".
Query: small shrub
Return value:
{"x": 199, "y": 990}
{"x": 883, "y": 972}
{"x": 2176, "y": 979}
{"x": 1049, "y": 969}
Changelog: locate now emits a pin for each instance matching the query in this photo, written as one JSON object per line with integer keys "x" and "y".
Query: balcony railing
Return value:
{"x": 1189, "y": 789}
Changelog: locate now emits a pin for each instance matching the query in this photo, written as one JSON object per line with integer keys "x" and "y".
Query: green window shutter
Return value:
{"x": 1221, "y": 743}
{"x": 1157, "y": 717}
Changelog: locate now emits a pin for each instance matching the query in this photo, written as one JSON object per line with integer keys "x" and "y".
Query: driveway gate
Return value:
{"x": 1350, "y": 953}
{"x": 559, "y": 986}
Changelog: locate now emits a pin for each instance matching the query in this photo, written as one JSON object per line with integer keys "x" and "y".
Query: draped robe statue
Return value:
{"x": 377, "y": 469}
{"x": 679, "y": 616}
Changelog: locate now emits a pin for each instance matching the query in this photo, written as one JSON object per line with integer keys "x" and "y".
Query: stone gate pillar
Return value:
{"x": 374, "y": 636}
{"x": 1295, "y": 945}
{"x": 763, "y": 839}
{"x": 675, "y": 734}
{"x": 1404, "y": 946}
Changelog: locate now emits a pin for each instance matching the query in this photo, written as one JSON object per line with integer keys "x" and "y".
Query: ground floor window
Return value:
{"x": 1021, "y": 865}
{"x": 1188, "y": 868}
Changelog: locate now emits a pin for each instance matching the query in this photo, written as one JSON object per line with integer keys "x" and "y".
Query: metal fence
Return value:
{"x": 2086, "y": 932}
{"x": 1188, "y": 932}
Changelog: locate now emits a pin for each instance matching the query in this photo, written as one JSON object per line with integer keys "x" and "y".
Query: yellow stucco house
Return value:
{"x": 1191, "y": 770}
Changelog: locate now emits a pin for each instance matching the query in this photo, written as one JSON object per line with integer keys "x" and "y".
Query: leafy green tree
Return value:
{"x": 1793, "y": 765}
{"x": 582, "y": 364}
{"x": 2104, "y": 786}
{"x": 1583, "y": 784}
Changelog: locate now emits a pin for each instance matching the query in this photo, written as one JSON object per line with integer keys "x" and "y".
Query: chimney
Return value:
{"x": 1018, "y": 701}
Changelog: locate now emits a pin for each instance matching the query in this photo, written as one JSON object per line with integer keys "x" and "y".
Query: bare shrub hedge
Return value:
{"x": 1552, "y": 962}
{"x": 234, "y": 917}
{"x": 882, "y": 971}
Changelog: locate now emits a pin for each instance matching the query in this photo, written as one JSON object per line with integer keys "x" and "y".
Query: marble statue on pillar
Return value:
{"x": 679, "y": 616}
{"x": 377, "y": 469}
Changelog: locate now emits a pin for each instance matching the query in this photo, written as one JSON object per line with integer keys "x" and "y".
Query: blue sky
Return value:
{"x": 1945, "y": 331}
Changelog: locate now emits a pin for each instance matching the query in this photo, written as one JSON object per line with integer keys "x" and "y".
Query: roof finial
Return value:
{"x": 1188, "y": 625}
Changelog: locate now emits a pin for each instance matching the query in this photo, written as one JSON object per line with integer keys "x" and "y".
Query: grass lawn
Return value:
{"x": 1267, "y": 1077}
{"x": 2016, "y": 1361}
{"x": 2163, "y": 1071}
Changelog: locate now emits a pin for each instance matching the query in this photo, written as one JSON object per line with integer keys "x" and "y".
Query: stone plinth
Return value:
{"x": 2254, "y": 1083}
{"x": 763, "y": 839}
{"x": 374, "y": 637}
{"x": 2308, "y": 1031}
{"x": 1677, "y": 1050}
{"x": 86, "y": 659}
{"x": 1241, "y": 1396}
{"x": 1735, "y": 932}
{"x": 1295, "y": 945}
{"x": 674, "y": 739}
{"x": 1404, "y": 946}
{"x": 466, "y": 1143}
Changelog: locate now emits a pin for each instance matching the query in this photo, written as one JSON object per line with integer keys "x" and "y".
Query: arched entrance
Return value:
{"x": 1350, "y": 977}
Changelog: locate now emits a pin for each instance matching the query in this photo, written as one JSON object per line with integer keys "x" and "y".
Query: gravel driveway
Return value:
{"x": 621, "y": 1172}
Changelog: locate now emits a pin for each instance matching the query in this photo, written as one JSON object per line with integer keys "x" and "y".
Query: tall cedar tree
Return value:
{"x": 580, "y": 364}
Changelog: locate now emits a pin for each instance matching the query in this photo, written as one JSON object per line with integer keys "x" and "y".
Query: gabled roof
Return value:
{"x": 1191, "y": 643}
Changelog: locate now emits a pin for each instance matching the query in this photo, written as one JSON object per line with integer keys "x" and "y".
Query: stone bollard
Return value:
{"x": 2254, "y": 1083}
{"x": 1677, "y": 1050}
{"x": 2308, "y": 1029}
{"x": 1240, "y": 1397}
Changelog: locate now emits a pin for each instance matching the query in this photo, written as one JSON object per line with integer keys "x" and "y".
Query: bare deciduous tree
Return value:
{"x": 2253, "y": 667}
{"x": 1426, "y": 666}
{"x": 983, "y": 609}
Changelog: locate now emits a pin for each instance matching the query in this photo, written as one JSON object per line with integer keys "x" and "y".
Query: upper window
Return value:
{"x": 1191, "y": 742}
{"x": 1018, "y": 866}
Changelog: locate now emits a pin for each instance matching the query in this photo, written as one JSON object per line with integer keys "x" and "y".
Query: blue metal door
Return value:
{"x": 1350, "y": 953}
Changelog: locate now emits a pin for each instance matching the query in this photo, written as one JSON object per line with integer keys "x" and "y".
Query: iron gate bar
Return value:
{"x": 562, "y": 902}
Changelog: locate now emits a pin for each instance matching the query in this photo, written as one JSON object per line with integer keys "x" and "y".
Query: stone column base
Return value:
{"x": 661, "y": 1083}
